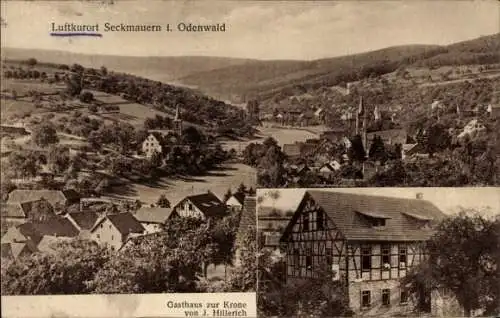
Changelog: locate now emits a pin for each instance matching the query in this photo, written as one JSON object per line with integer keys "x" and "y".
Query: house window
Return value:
{"x": 190, "y": 207}
{"x": 112, "y": 237}
{"x": 366, "y": 258}
{"x": 404, "y": 296}
{"x": 313, "y": 221}
{"x": 386, "y": 256}
{"x": 378, "y": 222}
{"x": 386, "y": 297}
{"x": 403, "y": 257}
{"x": 309, "y": 262}
{"x": 98, "y": 236}
{"x": 305, "y": 220}
{"x": 320, "y": 220}
{"x": 296, "y": 258}
{"x": 329, "y": 257}
{"x": 366, "y": 298}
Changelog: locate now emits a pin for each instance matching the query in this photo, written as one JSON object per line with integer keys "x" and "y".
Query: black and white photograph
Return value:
{"x": 147, "y": 147}
{"x": 378, "y": 252}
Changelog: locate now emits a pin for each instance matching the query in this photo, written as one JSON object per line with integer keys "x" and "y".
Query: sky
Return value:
{"x": 448, "y": 200}
{"x": 255, "y": 29}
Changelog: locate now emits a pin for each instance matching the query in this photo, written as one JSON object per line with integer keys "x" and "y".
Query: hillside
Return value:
{"x": 164, "y": 69}
{"x": 268, "y": 78}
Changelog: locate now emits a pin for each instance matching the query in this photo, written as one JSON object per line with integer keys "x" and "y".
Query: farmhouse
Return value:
{"x": 151, "y": 145}
{"x": 153, "y": 218}
{"x": 113, "y": 230}
{"x": 369, "y": 242}
{"x": 203, "y": 206}
{"x": 83, "y": 221}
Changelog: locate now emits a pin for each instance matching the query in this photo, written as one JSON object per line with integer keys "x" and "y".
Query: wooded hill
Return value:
{"x": 265, "y": 79}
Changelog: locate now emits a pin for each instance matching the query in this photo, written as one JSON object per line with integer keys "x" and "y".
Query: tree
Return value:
{"x": 86, "y": 97}
{"x": 464, "y": 258}
{"x": 242, "y": 188}
{"x": 74, "y": 85}
{"x": 357, "y": 151}
{"x": 23, "y": 164}
{"x": 44, "y": 134}
{"x": 31, "y": 62}
{"x": 377, "y": 150}
{"x": 163, "y": 202}
{"x": 66, "y": 271}
{"x": 58, "y": 159}
{"x": 191, "y": 135}
{"x": 41, "y": 211}
{"x": 243, "y": 278}
{"x": 227, "y": 195}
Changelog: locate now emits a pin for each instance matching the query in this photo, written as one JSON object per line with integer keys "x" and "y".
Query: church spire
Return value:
{"x": 178, "y": 121}
{"x": 177, "y": 113}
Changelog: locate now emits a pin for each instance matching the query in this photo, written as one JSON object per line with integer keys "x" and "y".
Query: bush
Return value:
{"x": 86, "y": 97}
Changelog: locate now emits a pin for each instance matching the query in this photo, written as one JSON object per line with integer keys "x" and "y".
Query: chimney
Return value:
{"x": 419, "y": 196}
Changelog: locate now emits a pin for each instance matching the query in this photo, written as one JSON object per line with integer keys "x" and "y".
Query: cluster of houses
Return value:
{"x": 40, "y": 218}
{"x": 319, "y": 150}
{"x": 368, "y": 242}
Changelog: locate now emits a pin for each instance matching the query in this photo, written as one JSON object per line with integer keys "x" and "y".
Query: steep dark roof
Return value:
{"x": 153, "y": 215}
{"x": 85, "y": 220}
{"x": 58, "y": 226}
{"x": 126, "y": 223}
{"x": 208, "y": 203}
{"x": 348, "y": 211}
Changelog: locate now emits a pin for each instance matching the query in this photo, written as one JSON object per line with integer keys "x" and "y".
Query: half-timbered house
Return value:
{"x": 201, "y": 206}
{"x": 368, "y": 242}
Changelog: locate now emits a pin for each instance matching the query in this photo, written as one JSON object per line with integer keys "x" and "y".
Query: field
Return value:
{"x": 130, "y": 112}
{"x": 227, "y": 177}
{"x": 282, "y": 136}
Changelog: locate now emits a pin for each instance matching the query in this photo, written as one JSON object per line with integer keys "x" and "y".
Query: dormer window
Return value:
{"x": 374, "y": 219}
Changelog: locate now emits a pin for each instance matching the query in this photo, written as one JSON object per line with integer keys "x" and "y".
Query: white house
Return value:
{"x": 113, "y": 230}
{"x": 151, "y": 145}
{"x": 236, "y": 201}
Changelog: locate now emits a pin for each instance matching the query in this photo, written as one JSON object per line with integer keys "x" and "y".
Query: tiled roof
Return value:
{"x": 345, "y": 211}
{"x": 208, "y": 203}
{"x": 153, "y": 215}
{"x": 53, "y": 196}
{"x": 126, "y": 223}
{"x": 85, "y": 220}
{"x": 59, "y": 226}
{"x": 13, "y": 235}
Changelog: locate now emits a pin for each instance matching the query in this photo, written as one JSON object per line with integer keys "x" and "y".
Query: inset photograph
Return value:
{"x": 378, "y": 252}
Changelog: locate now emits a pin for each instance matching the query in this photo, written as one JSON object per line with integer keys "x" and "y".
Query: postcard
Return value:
{"x": 141, "y": 141}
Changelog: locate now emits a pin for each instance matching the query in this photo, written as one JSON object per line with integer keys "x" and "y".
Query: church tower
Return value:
{"x": 177, "y": 121}
{"x": 361, "y": 122}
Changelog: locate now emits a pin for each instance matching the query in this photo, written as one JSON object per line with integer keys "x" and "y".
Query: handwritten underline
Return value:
{"x": 68, "y": 34}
